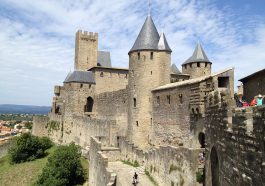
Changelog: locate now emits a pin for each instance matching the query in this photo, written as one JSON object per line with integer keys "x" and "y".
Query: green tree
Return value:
{"x": 63, "y": 168}
{"x": 27, "y": 148}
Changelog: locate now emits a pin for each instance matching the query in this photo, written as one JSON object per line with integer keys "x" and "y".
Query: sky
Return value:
{"x": 37, "y": 37}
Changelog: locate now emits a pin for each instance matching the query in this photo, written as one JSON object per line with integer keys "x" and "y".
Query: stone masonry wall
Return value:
{"x": 168, "y": 165}
{"x": 39, "y": 124}
{"x": 235, "y": 138}
{"x": 99, "y": 174}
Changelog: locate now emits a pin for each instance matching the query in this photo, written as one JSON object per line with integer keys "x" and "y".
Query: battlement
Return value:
{"x": 87, "y": 35}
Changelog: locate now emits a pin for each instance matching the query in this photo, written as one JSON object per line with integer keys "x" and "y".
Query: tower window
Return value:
{"x": 81, "y": 85}
{"x": 180, "y": 99}
{"x": 168, "y": 99}
{"x": 190, "y": 65}
{"x": 198, "y": 64}
{"x": 206, "y": 64}
{"x": 185, "y": 66}
{"x": 152, "y": 55}
{"x": 158, "y": 100}
{"x": 101, "y": 74}
{"x": 138, "y": 55}
{"x": 151, "y": 72}
{"x": 137, "y": 124}
{"x": 134, "y": 102}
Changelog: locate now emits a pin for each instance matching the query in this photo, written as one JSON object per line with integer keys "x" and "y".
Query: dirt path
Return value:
{"x": 125, "y": 174}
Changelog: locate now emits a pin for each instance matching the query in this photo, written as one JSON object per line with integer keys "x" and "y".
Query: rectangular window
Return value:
{"x": 158, "y": 100}
{"x": 198, "y": 64}
{"x": 180, "y": 98}
{"x": 152, "y": 55}
{"x": 138, "y": 55}
{"x": 168, "y": 99}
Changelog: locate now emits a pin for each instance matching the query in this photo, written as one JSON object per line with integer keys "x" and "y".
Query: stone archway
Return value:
{"x": 215, "y": 167}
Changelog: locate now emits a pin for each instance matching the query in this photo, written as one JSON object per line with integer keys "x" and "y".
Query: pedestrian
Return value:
{"x": 259, "y": 100}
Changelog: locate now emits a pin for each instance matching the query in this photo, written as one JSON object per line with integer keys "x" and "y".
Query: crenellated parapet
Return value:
{"x": 235, "y": 137}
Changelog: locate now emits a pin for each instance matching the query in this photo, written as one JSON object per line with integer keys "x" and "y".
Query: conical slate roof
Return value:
{"x": 197, "y": 56}
{"x": 162, "y": 43}
{"x": 174, "y": 69}
{"x": 148, "y": 37}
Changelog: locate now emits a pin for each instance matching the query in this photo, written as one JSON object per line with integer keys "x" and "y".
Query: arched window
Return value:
{"x": 134, "y": 102}
{"x": 89, "y": 104}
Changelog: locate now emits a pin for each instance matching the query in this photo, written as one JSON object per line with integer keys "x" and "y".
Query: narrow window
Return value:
{"x": 137, "y": 124}
{"x": 89, "y": 86}
{"x": 206, "y": 64}
{"x": 138, "y": 55}
{"x": 185, "y": 66}
{"x": 134, "y": 102}
{"x": 180, "y": 99}
{"x": 101, "y": 74}
{"x": 158, "y": 100}
{"x": 89, "y": 105}
{"x": 151, "y": 121}
{"x": 168, "y": 99}
{"x": 151, "y": 72}
{"x": 198, "y": 64}
{"x": 190, "y": 65}
{"x": 152, "y": 55}
{"x": 81, "y": 85}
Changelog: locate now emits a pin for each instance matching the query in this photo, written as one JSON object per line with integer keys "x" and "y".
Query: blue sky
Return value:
{"x": 37, "y": 37}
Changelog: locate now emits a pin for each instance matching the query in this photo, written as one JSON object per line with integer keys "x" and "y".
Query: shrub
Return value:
{"x": 200, "y": 176}
{"x": 27, "y": 148}
{"x": 63, "y": 168}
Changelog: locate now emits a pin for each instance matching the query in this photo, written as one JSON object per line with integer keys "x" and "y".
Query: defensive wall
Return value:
{"x": 168, "y": 165}
{"x": 99, "y": 174}
{"x": 235, "y": 142}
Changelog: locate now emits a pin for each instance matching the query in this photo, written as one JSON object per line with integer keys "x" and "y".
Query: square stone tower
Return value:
{"x": 86, "y": 49}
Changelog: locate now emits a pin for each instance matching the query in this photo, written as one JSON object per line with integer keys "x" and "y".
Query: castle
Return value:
{"x": 154, "y": 114}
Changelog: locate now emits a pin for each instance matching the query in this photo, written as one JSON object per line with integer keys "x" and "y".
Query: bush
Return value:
{"x": 63, "y": 168}
{"x": 27, "y": 148}
{"x": 200, "y": 176}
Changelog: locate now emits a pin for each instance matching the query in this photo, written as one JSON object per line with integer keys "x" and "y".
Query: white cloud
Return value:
{"x": 37, "y": 38}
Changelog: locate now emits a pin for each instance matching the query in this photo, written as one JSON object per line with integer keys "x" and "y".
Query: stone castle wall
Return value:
{"x": 194, "y": 70}
{"x": 39, "y": 125}
{"x": 99, "y": 174}
{"x": 168, "y": 165}
{"x": 235, "y": 151}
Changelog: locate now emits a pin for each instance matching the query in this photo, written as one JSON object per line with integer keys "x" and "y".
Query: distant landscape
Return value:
{"x": 23, "y": 109}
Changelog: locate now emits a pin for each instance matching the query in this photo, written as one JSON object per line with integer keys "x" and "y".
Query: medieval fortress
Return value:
{"x": 157, "y": 115}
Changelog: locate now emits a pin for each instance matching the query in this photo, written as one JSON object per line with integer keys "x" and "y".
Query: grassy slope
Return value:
{"x": 25, "y": 174}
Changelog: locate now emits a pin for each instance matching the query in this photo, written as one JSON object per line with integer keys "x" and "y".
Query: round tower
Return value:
{"x": 198, "y": 64}
{"x": 149, "y": 67}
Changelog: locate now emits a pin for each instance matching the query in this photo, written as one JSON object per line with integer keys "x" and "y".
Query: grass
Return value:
{"x": 26, "y": 174}
{"x": 150, "y": 177}
{"x": 128, "y": 162}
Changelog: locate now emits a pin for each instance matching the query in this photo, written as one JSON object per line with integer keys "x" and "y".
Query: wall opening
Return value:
{"x": 185, "y": 66}
{"x": 198, "y": 64}
{"x": 89, "y": 104}
{"x": 215, "y": 167}
{"x": 101, "y": 74}
{"x": 206, "y": 64}
{"x": 180, "y": 98}
{"x": 137, "y": 124}
{"x": 201, "y": 138}
{"x": 58, "y": 110}
{"x": 81, "y": 85}
{"x": 223, "y": 82}
{"x": 134, "y": 102}
{"x": 138, "y": 54}
{"x": 158, "y": 100}
{"x": 190, "y": 65}
{"x": 168, "y": 99}
{"x": 152, "y": 55}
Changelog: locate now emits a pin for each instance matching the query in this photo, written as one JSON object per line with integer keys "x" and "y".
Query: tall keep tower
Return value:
{"x": 149, "y": 67}
{"x": 86, "y": 50}
{"x": 198, "y": 64}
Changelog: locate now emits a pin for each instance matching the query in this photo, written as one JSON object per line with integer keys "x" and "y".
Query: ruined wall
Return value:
{"x": 235, "y": 152}
{"x": 168, "y": 165}
{"x": 39, "y": 125}
{"x": 80, "y": 129}
{"x": 99, "y": 174}
{"x": 113, "y": 106}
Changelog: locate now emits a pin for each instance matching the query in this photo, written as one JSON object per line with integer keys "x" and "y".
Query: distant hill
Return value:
{"x": 23, "y": 109}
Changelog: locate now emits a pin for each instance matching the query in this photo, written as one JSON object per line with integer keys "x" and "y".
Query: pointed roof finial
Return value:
{"x": 149, "y": 8}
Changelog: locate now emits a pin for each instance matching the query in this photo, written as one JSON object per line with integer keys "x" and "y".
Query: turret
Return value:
{"x": 86, "y": 50}
{"x": 198, "y": 64}
{"x": 149, "y": 67}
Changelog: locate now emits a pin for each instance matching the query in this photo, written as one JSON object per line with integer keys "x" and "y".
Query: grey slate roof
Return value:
{"x": 162, "y": 43}
{"x": 79, "y": 76}
{"x": 197, "y": 56}
{"x": 104, "y": 59}
{"x": 148, "y": 37}
{"x": 174, "y": 69}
